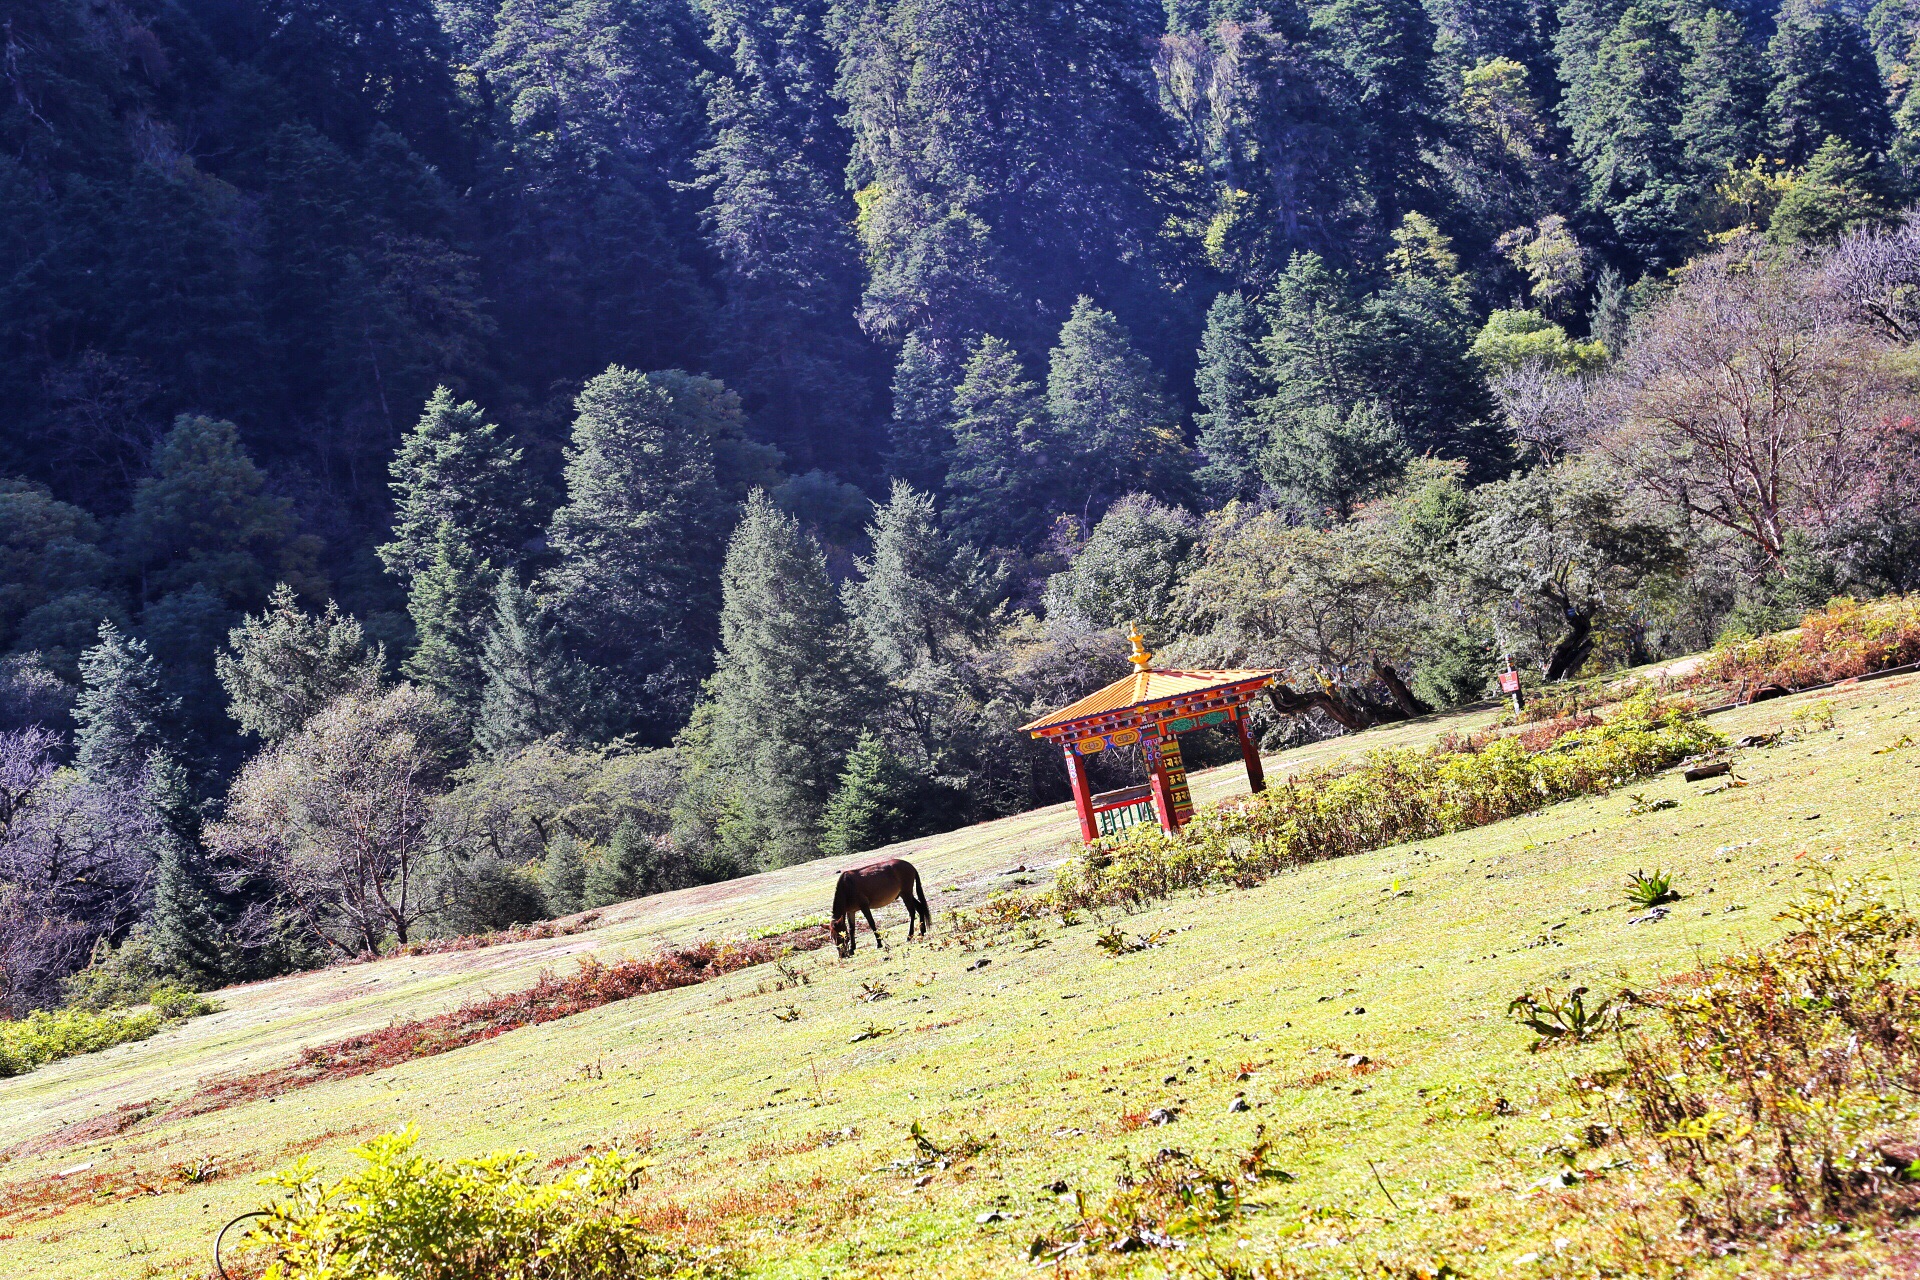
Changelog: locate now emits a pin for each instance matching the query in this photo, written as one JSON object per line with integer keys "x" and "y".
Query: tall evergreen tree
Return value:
{"x": 1227, "y": 385}
{"x": 451, "y": 603}
{"x": 533, "y": 690}
{"x": 781, "y": 222}
{"x": 640, "y": 538}
{"x": 1108, "y": 406}
{"x": 124, "y": 716}
{"x": 787, "y": 698}
{"x": 1826, "y": 84}
{"x": 457, "y": 475}
{"x": 285, "y": 665}
{"x": 1725, "y": 85}
{"x": 1387, "y": 47}
{"x": 880, "y": 801}
{"x": 921, "y": 434}
{"x": 925, "y": 596}
{"x": 1007, "y": 458}
{"x": 1625, "y": 125}
{"x": 204, "y": 517}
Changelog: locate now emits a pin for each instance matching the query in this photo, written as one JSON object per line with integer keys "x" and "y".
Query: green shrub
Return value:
{"x": 1394, "y": 795}
{"x": 43, "y": 1037}
{"x": 486, "y": 1218}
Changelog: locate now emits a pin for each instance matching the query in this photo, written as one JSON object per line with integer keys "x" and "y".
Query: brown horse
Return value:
{"x": 875, "y": 885}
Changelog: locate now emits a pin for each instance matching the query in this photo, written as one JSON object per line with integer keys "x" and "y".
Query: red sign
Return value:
{"x": 1509, "y": 682}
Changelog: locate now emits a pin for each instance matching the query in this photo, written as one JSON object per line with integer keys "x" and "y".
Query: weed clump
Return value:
{"x": 1843, "y": 640}
{"x": 1651, "y": 888}
{"x": 1390, "y": 797}
{"x": 1784, "y": 1088}
{"x": 1566, "y": 1019}
{"x": 403, "y": 1214}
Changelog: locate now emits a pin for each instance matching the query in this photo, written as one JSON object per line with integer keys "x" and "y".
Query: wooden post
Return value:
{"x": 1162, "y": 786}
{"x": 1082, "y": 791}
{"x": 1250, "y": 752}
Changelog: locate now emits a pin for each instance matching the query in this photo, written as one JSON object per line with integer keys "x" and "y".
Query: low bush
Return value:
{"x": 1783, "y": 1089}
{"x": 1845, "y": 639}
{"x": 404, "y": 1214}
{"x": 1391, "y": 796}
{"x": 43, "y": 1037}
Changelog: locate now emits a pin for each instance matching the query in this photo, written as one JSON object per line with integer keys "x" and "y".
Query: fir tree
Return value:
{"x": 284, "y": 665}
{"x": 563, "y": 875}
{"x": 532, "y": 690}
{"x": 456, "y": 474}
{"x": 879, "y": 801}
{"x": 1826, "y": 84}
{"x": 1627, "y": 139}
{"x": 1108, "y": 406}
{"x": 1227, "y": 385}
{"x": 623, "y": 872}
{"x": 1387, "y": 47}
{"x": 925, "y": 595}
{"x": 204, "y": 517}
{"x": 1725, "y": 86}
{"x": 1007, "y": 459}
{"x": 640, "y": 537}
{"x": 1332, "y": 459}
{"x": 787, "y": 697}
{"x": 451, "y": 603}
{"x": 191, "y": 915}
{"x": 124, "y": 716}
{"x": 920, "y": 436}
{"x": 1838, "y": 191}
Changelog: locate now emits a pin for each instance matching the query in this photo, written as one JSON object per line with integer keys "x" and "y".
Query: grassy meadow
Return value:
{"x": 1351, "y": 1015}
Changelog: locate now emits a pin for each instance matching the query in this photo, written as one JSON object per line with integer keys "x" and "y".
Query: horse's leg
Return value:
{"x": 868, "y": 913}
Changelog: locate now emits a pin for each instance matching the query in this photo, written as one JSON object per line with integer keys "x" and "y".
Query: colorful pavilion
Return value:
{"x": 1150, "y": 709}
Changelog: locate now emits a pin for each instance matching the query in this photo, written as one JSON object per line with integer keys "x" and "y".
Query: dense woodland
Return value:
{"x": 461, "y": 463}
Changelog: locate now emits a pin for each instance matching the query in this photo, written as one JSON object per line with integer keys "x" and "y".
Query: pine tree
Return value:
{"x": 626, "y": 870}
{"x": 925, "y": 596}
{"x": 787, "y": 698}
{"x": 191, "y": 915}
{"x": 640, "y": 538}
{"x": 1387, "y": 47}
{"x": 563, "y": 875}
{"x": 1227, "y": 385}
{"x": 879, "y": 801}
{"x": 1007, "y": 459}
{"x": 456, "y": 474}
{"x": 1331, "y": 460}
{"x": 204, "y": 517}
{"x": 920, "y": 437}
{"x": 1108, "y": 406}
{"x": 781, "y": 223}
{"x": 1626, "y": 138}
{"x": 451, "y": 603}
{"x": 1826, "y": 84}
{"x": 284, "y": 665}
{"x": 1725, "y": 87}
{"x": 124, "y": 715}
{"x": 1838, "y": 191}
{"x": 532, "y": 690}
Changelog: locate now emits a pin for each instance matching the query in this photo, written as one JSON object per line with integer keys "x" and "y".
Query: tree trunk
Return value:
{"x": 1572, "y": 652}
{"x": 1402, "y": 696}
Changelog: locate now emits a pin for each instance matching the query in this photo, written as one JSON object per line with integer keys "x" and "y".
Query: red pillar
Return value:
{"x": 1162, "y": 787}
{"x": 1082, "y": 791}
{"x": 1250, "y": 752}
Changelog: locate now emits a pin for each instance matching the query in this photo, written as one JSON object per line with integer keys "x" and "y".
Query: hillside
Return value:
{"x": 788, "y": 1143}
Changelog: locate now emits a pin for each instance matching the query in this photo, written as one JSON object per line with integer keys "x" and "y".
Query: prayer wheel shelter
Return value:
{"x": 1150, "y": 709}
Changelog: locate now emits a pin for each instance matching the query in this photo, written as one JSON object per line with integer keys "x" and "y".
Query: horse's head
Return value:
{"x": 842, "y": 930}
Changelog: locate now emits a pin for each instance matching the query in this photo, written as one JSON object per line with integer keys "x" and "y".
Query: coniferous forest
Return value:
{"x": 462, "y": 463}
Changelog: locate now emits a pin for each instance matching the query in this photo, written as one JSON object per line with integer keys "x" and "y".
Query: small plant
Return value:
{"x": 791, "y": 975}
{"x": 1815, "y": 717}
{"x": 871, "y": 991}
{"x": 1116, "y": 942}
{"x": 789, "y": 1014}
{"x": 399, "y": 1210}
{"x": 1643, "y": 805}
{"x": 1568, "y": 1020}
{"x": 1651, "y": 888}
{"x": 194, "y": 1172}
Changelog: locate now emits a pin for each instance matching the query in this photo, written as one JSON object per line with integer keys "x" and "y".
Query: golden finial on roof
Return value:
{"x": 1140, "y": 658}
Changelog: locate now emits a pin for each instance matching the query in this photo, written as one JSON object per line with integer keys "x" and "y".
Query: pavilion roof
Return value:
{"x": 1141, "y": 690}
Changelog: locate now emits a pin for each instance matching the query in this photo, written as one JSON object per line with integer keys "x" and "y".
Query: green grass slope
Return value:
{"x": 786, "y": 1142}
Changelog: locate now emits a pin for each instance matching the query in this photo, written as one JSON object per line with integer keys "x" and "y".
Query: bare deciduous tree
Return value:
{"x": 76, "y": 865}
{"x": 1753, "y": 400}
{"x": 339, "y": 816}
{"x": 1875, "y": 271}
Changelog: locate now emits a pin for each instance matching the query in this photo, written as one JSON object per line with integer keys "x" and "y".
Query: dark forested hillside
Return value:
{"x": 693, "y": 434}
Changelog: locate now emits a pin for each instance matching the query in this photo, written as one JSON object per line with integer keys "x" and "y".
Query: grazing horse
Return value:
{"x": 875, "y": 885}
